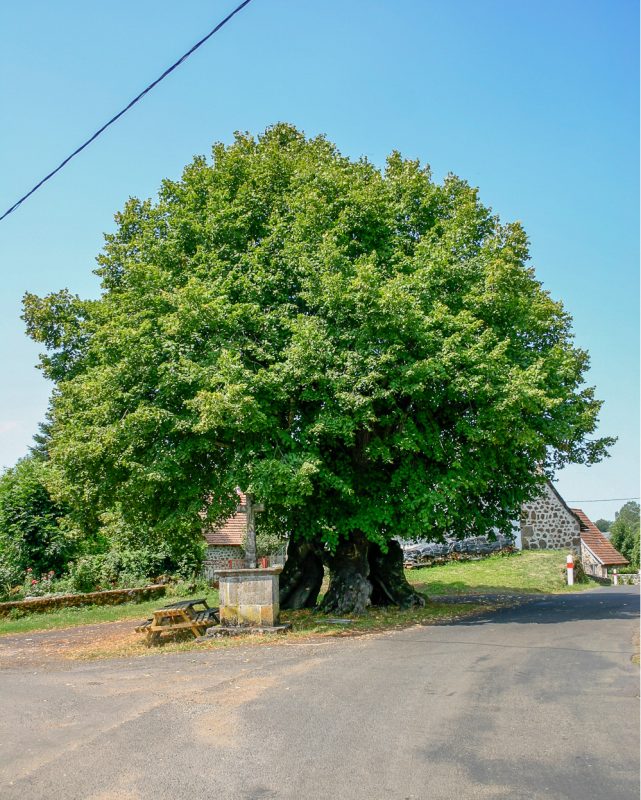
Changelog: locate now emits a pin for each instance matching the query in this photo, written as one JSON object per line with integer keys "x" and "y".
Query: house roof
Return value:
{"x": 597, "y": 543}
{"x": 231, "y": 532}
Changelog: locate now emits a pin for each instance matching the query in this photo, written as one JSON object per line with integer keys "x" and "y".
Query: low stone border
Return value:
{"x": 419, "y": 562}
{"x": 111, "y": 597}
{"x": 626, "y": 578}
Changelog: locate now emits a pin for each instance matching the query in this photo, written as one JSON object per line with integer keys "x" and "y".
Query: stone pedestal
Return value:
{"x": 249, "y": 596}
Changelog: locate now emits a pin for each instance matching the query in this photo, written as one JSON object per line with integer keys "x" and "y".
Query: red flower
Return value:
{"x": 34, "y": 581}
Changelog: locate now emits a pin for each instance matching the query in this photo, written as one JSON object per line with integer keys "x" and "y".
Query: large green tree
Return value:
{"x": 31, "y": 536}
{"x": 624, "y": 532}
{"x": 366, "y": 352}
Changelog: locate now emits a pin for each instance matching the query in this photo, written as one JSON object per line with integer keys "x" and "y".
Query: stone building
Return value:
{"x": 547, "y": 523}
{"x": 225, "y": 543}
{"x": 597, "y": 553}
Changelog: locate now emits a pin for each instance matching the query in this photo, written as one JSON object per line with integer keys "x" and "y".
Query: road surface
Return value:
{"x": 539, "y": 701}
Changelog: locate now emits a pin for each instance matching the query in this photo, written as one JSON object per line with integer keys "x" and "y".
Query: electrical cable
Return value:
{"x": 605, "y": 500}
{"x": 128, "y": 106}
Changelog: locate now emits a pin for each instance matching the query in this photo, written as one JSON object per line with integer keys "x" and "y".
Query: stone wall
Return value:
{"x": 110, "y": 597}
{"x": 221, "y": 553}
{"x": 548, "y": 524}
{"x": 591, "y": 564}
{"x": 627, "y": 579}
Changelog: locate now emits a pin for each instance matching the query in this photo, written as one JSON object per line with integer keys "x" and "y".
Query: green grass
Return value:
{"x": 89, "y": 615}
{"x": 527, "y": 572}
{"x": 520, "y": 572}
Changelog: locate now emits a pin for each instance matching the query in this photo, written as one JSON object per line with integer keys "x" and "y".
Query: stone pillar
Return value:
{"x": 249, "y": 596}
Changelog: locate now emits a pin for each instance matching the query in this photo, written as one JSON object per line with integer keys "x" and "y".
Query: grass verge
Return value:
{"x": 305, "y": 624}
{"x": 87, "y": 615}
{"x": 519, "y": 573}
{"x": 541, "y": 571}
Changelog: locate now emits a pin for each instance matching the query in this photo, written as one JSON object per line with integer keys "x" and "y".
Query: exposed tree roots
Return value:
{"x": 349, "y": 586}
{"x": 360, "y": 575}
{"x": 389, "y": 585}
{"x": 301, "y": 578}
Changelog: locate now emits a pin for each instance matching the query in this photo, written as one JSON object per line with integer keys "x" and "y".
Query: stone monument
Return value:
{"x": 249, "y": 597}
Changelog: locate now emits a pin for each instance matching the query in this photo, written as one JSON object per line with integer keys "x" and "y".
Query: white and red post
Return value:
{"x": 570, "y": 568}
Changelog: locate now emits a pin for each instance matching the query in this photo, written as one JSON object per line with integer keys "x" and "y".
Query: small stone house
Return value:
{"x": 226, "y": 542}
{"x": 597, "y": 554}
{"x": 548, "y": 523}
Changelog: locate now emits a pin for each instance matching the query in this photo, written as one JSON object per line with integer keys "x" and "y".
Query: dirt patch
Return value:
{"x": 119, "y": 639}
{"x": 42, "y": 647}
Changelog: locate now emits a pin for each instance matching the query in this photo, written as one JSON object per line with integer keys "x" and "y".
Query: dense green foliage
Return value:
{"x": 42, "y": 552}
{"x": 361, "y": 350}
{"x": 624, "y": 533}
{"x": 31, "y": 537}
{"x": 603, "y": 525}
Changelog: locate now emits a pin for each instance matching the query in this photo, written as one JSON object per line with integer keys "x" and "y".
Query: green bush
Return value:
{"x": 31, "y": 533}
{"x": 624, "y": 533}
{"x": 188, "y": 588}
{"x": 10, "y": 576}
{"x": 269, "y": 544}
{"x": 84, "y": 574}
{"x": 126, "y": 569}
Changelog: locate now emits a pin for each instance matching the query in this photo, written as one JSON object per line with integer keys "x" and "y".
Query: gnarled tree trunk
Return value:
{"x": 389, "y": 585}
{"x": 301, "y": 578}
{"x": 349, "y": 586}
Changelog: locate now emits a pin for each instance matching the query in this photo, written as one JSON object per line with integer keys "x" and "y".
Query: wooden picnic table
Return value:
{"x": 181, "y": 616}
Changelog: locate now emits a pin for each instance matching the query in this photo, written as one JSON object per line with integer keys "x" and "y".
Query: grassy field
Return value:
{"x": 528, "y": 572}
{"x": 521, "y": 572}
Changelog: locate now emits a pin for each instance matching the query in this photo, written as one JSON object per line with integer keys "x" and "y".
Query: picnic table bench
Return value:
{"x": 181, "y": 616}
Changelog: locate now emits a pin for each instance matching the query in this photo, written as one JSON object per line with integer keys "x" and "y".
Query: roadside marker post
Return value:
{"x": 616, "y": 578}
{"x": 570, "y": 567}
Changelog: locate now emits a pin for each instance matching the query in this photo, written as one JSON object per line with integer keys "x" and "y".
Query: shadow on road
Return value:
{"x": 610, "y": 603}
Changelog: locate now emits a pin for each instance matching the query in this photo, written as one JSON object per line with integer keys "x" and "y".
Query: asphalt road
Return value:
{"x": 539, "y": 701}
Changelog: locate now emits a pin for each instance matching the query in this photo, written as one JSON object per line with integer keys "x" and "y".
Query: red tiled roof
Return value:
{"x": 231, "y": 532}
{"x": 607, "y": 554}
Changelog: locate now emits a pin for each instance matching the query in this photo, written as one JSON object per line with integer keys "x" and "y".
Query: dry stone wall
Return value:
{"x": 110, "y": 597}
{"x": 219, "y": 554}
{"x": 548, "y": 524}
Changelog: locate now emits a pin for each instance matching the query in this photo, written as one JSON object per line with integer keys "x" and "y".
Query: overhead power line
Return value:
{"x": 605, "y": 500}
{"x": 184, "y": 57}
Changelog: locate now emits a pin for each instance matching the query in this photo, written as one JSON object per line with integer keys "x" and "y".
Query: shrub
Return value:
{"x": 624, "y": 533}
{"x": 269, "y": 544}
{"x": 84, "y": 574}
{"x": 31, "y": 534}
{"x": 187, "y": 588}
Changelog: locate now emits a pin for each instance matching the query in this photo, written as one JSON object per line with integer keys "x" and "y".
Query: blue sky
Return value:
{"x": 536, "y": 103}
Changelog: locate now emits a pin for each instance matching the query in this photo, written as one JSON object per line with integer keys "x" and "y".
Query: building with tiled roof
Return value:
{"x": 548, "y": 523}
{"x": 226, "y": 542}
{"x": 597, "y": 553}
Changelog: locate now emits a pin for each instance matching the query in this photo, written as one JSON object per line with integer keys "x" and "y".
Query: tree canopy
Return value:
{"x": 31, "y": 536}
{"x": 624, "y": 532}
{"x": 366, "y": 351}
